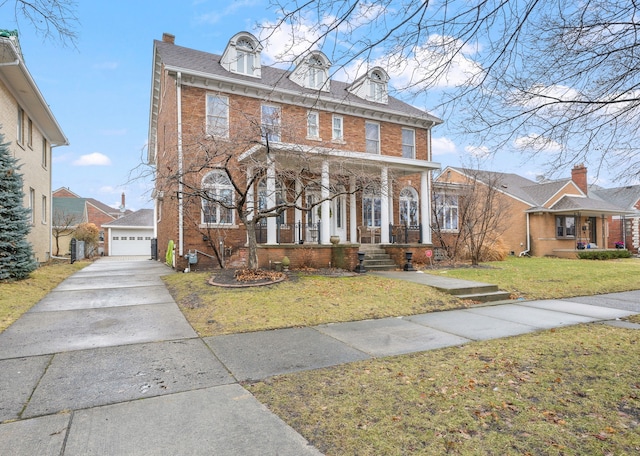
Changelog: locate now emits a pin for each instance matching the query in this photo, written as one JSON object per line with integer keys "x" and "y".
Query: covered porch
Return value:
{"x": 370, "y": 198}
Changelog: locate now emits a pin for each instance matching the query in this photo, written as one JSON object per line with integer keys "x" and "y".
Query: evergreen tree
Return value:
{"x": 16, "y": 255}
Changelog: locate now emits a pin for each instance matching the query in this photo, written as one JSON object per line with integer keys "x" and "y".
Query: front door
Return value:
{"x": 313, "y": 217}
{"x": 339, "y": 217}
{"x": 593, "y": 237}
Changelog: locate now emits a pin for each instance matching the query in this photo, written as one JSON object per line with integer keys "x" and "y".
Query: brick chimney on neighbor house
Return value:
{"x": 579, "y": 177}
{"x": 168, "y": 38}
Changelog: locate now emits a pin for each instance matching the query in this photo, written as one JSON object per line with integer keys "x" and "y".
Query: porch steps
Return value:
{"x": 377, "y": 259}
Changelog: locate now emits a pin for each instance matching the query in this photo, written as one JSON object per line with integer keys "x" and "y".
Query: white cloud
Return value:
{"x": 94, "y": 159}
{"x": 536, "y": 143}
{"x": 214, "y": 17}
{"x": 478, "y": 151}
{"x": 443, "y": 146}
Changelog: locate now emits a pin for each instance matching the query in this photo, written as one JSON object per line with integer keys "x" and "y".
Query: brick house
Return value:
{"x": 547, "y": 218}
{"x": 351, "y": 151}
{"x": 30, "y": 128}
{"x": 69, "y": 205}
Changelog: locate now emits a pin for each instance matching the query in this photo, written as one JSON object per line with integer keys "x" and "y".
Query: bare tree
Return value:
{"x": 62, "y": 224}
{"x": 50, "y": 18}
{"x": 220, "y": 177}
{"x": 477, "y": 212}
{"x": 552, "y": 77}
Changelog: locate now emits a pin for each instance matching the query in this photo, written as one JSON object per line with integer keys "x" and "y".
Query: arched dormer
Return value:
{"x": 373, "y": 86}
{"x": 242, "y": 55}
{"x": 312, "y": 71}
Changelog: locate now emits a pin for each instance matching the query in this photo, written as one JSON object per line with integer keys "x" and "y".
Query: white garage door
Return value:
{"x": 130, "y": 242}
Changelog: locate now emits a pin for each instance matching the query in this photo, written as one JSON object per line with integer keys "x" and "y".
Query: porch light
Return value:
{"x": 408, "y": 266}
{"x": 360, "y": 268}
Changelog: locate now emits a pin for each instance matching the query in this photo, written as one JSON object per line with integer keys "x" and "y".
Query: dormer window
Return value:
{"x": 312, "y": 71}
{"x": 242, "y": 55}
{"x": 376, "y": 86}
{"x": 372, "y": 86}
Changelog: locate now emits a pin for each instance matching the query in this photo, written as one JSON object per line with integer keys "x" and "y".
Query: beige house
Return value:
{"x": 549, "y": 218}
{"x": 29, "y": 126}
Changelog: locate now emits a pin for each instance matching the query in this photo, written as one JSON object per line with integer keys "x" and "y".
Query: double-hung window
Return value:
{"x": 408, "y": 143}
{"x": 32, "y": 206}
{"x": 218, "y": 116}
{"x": 245, "y": 56}
{"x": 372, "y": 136}
{"x": 217, "y": 205}
{"x": 565, "y": 226}
{"x": 446, "y": 211}
{"x": 271, "y": 123}
{"x": 337, "y": 131}
{"x": 313, "y": 125}
{"x": 316, "y": 73}
{"x": 20, "y": 132}
{"x": 371, "y": 207}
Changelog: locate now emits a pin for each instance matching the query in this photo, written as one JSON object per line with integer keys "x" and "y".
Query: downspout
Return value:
{"x": 180, "y": 165}
{"x": 528, "y": 234}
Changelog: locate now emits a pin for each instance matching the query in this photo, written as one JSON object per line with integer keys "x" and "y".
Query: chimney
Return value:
{"x": 168, "y": 38}
{"x": 579, "y": 177}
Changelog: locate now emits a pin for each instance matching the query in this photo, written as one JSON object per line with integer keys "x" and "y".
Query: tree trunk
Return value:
{"x": 252, "y": 257}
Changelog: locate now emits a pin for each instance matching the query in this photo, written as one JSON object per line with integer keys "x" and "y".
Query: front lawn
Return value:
{"x": 552, "y": 278}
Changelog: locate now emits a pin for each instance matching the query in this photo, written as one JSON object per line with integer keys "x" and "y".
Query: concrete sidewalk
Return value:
{"x": 107, "y": 364}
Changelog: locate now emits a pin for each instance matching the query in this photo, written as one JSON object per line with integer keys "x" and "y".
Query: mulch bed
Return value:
{"x": 241, "y": 278}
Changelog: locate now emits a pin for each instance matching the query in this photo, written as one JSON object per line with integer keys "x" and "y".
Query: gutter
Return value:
{"x": 180, "y": 167}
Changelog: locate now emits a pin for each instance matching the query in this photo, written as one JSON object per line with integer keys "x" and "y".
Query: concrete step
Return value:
{"x": 486, "y": 297}
{"x": 380, "y": 267}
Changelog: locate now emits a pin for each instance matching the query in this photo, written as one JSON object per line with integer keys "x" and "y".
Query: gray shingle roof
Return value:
{"x": 272, "y": 77}
{"x": 577, "y": 203}
{"x": 626, "y": 197}
{"x": 142, "y": 218}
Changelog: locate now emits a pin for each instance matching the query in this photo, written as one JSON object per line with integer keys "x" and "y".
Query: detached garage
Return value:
{"x": 130, "y": 235}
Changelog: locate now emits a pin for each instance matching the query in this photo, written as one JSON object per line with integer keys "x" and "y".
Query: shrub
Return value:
{"x": 604, "y": 254}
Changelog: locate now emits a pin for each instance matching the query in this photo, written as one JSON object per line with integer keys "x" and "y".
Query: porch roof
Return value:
{"x": 586, "y": 206}
{"x": 346, "y": 159}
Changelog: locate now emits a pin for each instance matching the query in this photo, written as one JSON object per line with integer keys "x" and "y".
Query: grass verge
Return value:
{"x": 552, "y": 278}
{"x": 567, "y": 391}
{"x": 305, "y": 301}
{"x": 18, "y": 297}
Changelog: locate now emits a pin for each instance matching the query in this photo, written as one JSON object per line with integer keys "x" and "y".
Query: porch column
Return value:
{"x": 272, "y": 235}
{"x": 297, "y": 213}
{"x": 425, "y": 208}
{"x": 249, "y": 198}
{"x": 325, "y": 211}
{"x": 384, "y": 205}
{"x": 353, "y": 221}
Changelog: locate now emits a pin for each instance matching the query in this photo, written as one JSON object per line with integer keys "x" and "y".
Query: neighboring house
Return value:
{"x": 199, "y": 100}
{"x": 130, "y": 235}
{"x": 624, "y": 229}
{"x": 67, "y": 214}
{"x": 27, "y": 123}
{"x": 66, "y": 203}
{"x": 548, "y": 218}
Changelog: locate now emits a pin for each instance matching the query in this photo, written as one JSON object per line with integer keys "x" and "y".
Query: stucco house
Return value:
{"x": 27, "y": 123}
{"x": 362, "y": 155}
{"x": 545, "y": 218}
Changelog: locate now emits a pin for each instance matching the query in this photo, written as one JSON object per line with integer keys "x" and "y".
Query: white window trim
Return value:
{"x": 333, "y": 129}
{"x": 265, "y": 126}
{"x": 367, "y": 139}
{"x": 316, "y": 115}
{"x": 224, "y": 100}
{"x": 402, "y": 199}
{"x": 216, "y": 187}
{"x": 413, "y": 142}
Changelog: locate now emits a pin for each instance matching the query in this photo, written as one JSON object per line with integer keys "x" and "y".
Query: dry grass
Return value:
{"x": 570, "y": 391}
{"x": 552, "y": 278}
{"x": 305, "y": 301}
{"x": 18, "y": 297}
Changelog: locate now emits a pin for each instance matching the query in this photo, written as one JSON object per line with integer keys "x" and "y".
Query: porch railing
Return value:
{"x": 405, "y": 234}
{"x": 291, "y": 233}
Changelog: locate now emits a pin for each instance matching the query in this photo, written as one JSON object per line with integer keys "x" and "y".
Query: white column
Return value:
{"x": 249, "y": 199}
{"x": 297, "y": 213}
{"x": 272, "y": 235}
{"x": 384, "y": 205}
{"x": 425, "y": 207}
{"x": 325, "y": 219}
{"x": 353, "y": 221}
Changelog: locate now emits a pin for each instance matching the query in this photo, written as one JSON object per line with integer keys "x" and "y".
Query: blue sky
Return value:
{"x": 99, "y": 92}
